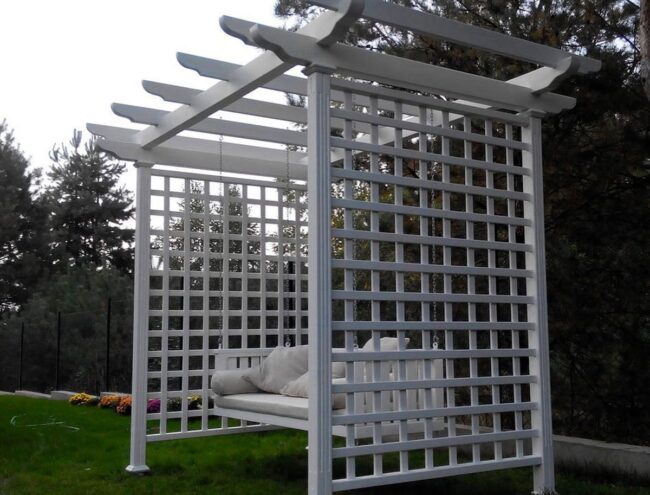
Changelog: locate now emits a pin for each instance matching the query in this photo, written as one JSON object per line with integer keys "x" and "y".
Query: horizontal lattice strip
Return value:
{"x": 360, "y": 295}
{"x": 428, "y": 384}
{"x": 414, "y": 125}
{"x": 412, "y": 354}
{"x": 441, "y": 412}
{"x": 354, "y": 204}
{"x": 389, "y": 97}
{"x": 177, "y": 174}
{"x": 348, "y": 144}
{"x": 420, "y": 268}
{"x": 380, "y": 178}
{"x": 436, "y": 472}
{"x": 355, "y": 326}
{"x": 432, "y": 443}
{"x": 430, "y": 240}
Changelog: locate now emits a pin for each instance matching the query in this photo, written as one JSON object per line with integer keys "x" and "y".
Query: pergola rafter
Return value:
{"x": 414, "y": 222}
{"x": 264, "y": 68}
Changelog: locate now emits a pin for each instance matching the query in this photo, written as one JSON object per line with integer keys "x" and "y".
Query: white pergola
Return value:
{"x": 423, "y": 187}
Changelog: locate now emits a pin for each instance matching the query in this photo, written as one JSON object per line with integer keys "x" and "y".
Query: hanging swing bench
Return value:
{"x": 375, "y": 271}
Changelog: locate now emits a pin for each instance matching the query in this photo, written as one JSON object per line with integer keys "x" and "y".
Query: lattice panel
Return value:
{"x": 430, "y": 237}
{"x": 228, "y": 269}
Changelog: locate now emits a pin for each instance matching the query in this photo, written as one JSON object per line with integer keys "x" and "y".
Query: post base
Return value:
{"x": 143, "y": 469}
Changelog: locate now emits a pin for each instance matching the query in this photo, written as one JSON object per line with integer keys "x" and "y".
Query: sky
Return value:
{"x": 64, "y": 62}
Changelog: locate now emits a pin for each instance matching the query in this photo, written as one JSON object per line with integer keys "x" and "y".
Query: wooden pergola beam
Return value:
{"x": 193, "y": 153}
{"x": 300, "y": 49}
{"x": 467, "y": 35}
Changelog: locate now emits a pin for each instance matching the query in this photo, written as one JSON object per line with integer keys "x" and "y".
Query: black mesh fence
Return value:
{"x": 87, "y": 351}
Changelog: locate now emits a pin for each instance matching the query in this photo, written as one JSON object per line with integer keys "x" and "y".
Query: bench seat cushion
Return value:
{"x": 274, "y": 404}
{"x": 263, "y": 403}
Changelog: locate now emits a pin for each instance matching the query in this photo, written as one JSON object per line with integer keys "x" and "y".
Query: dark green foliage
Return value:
{"x": 22, "y": 224}
{"x": 597, "y": 194}
{"x": 81, "y": 295}
{"x": 88, "y": 208}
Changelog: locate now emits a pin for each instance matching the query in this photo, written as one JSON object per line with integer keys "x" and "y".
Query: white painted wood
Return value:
{"x": 440, "y": 412}
{"x": 544, "y": 476}
{"x": 451, "y": 326}
{"x": 416, "y": 354}
{"x": 177, "y": 435}
{"x": 466, "y": 35}
{"x": 246, "y": 106}
{"x": 425, "y": 474}
{"x": 320, "y": 302}
{"x": 442, "y": 241}
{"x": 416, "y": 210}
{"x": 201, "y": 154}
{"x": 262, "y": 69}
{"x": 381, "y": 386}
{"x": 424, "y": 128}
{"x": 435, "y": 442}
{"x": 298, "y": 48}
{"x": 221, "y": 70}
{"x": 138, "y": 460}
{"x": 151, "y": 116}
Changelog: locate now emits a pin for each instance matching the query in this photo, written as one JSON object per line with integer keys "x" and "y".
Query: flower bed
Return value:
{"x": 122, "y": 404}
{"x": 83, "y": 399}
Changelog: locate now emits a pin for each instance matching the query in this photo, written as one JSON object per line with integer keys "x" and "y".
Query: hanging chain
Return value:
{"x": 223, "y": 244}
{"x": 221, "y": 159}
{"x": 434, "y": 282}
{"x": 286, "y": 284}
{"x": 353, "y": 121}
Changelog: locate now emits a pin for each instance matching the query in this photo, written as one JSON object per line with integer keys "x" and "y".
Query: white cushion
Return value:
{"x": 338, "y": 369}
{"x": 229, "y": 382}
{"x": 281, "y": 366}
{"x": 300, "y": 388}
{"x": 277, "y": 405}
{"x": 386, "y": 344}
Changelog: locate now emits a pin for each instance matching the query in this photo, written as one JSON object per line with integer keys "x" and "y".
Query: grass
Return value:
{"x": 52, "y": 447}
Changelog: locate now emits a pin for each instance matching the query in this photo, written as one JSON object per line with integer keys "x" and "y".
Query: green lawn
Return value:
{"x": 49, "y": 447}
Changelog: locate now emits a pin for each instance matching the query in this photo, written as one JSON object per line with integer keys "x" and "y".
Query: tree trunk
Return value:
{"x": 644, "y": 41}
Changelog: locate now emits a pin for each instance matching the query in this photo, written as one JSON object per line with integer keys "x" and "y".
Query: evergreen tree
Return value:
{"x": 22, "y": 224}
{"x": 88, "y": 208}
{"x": 597, "y": 193}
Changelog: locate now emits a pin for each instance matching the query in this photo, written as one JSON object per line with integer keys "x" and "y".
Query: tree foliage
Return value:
{"x": 81, "y": 295}
{"x": 597, "y": 194}
{"x": 88, "y": 207}
{"x": 22, "y": 224}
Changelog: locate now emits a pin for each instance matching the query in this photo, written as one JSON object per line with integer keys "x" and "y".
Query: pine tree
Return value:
{"x": 22, "y": 224}
{"x": 88, "y": 208}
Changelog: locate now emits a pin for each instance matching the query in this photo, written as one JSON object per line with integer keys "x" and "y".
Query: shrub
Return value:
{"x": 124, "y": 407}
{"x": 83, "y": 399}
{"x": 194, "y": 402}
{"x": 153, "y": 406}
{"x": 174, "y": 404}
{"x": 110, "y": 401}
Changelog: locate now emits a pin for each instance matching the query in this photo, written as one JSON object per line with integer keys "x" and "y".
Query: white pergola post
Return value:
{"x": 320, "y": 302}
{"x": 138, "y": 462}
{"x": 540, "y": 392}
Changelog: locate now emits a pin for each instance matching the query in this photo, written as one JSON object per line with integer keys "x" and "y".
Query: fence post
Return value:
{"x": 20, "y": 358}
{"x": 108, "y": 346}
{"x": 57, "y": 375}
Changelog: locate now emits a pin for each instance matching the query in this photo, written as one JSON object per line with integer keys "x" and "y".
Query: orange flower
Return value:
{"x": 124, "y": 407}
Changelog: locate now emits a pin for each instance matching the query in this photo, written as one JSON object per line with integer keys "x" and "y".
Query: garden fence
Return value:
{"x": 86, "y": 351}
